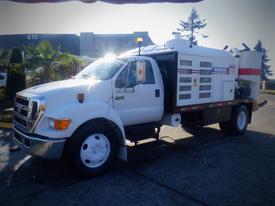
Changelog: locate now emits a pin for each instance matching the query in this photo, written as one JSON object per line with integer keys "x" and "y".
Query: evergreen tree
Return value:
{"x": 16, "y": 79}
{"x": 16, "y": 56}
{"x": 5, "y": 58}
{"x": 189, "y": 28}
{"x": 265, "y": 69}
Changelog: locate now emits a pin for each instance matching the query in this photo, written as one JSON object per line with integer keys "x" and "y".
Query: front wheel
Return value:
{"x": 238, "y": 123}
{"x": 93, "y": 150}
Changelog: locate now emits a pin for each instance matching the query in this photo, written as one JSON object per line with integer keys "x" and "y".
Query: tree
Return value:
{"x": 16, "y": 79}
{"x": 265, "y": 69}
{"x": 55, "y": 64}
{"x": 190, "y": 28}
{"x": 16, "y": 56}
{"x": 5, "y": 57}
{"x": 68, "y": 65}
{"x": 43, "y": 55}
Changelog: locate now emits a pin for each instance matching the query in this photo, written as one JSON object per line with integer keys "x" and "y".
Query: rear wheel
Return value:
{"x": 238, "y": 122}
{"x": 93, "y": 150}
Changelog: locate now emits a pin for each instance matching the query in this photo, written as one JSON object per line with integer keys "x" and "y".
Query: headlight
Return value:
{"x": 36, "y": 109}
{"x": 59, "y": 124}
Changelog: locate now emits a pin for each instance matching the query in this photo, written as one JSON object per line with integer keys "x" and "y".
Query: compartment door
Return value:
{"x": 228, "y": 90}
{"x": 187, "y": 80}
{"x": 205, "y": 81}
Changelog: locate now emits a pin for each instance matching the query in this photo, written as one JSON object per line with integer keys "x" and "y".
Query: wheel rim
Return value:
{"x": 95, "y": 150}
{"x": 241, "y": 121}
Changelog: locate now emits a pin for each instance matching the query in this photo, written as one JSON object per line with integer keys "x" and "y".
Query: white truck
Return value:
{"x": 90, "y": 117}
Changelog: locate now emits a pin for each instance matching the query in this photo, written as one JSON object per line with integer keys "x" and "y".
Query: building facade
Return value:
{"x": 97, "y": 45}
{"x": 66, "y": 42}
{"x": 86, "y": 44}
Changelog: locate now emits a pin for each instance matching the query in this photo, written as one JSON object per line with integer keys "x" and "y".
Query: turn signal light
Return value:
{"x": 60, "y": 124}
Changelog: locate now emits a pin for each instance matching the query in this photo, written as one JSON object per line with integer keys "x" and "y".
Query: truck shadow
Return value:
{"x": 57, "y": 173}
{"x": 199, "y": 138}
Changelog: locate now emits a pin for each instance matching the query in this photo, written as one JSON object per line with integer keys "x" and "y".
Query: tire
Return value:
{"x": 93, "y": 149}
{"x": 238, "y": 123}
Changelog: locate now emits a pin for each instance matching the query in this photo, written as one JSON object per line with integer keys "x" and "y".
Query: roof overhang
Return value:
{"x": 108, "y": 1}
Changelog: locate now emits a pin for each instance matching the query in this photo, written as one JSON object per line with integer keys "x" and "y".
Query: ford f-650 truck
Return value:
{"x": 89, "y": 118}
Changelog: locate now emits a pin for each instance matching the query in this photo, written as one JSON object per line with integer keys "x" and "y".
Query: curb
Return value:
{"x": 270, "y": 92}
{"x": 5, "y": 125}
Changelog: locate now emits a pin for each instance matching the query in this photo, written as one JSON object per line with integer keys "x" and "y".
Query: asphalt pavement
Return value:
{"x": 198, "y": 167}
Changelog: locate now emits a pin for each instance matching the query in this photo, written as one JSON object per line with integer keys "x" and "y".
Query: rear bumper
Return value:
{"x": 48, "y": 148}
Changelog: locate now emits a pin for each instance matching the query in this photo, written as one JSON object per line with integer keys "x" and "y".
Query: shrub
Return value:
{"x": 15, "y": 82}
{"x": 2, "y": 94}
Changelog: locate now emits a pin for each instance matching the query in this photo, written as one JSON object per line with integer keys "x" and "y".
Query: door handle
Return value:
{"x": 157, "y": 93}
{"x": 119, "y": 97}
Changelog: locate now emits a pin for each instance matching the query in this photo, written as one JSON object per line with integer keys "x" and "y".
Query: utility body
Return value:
{"x": 90, "y": 117}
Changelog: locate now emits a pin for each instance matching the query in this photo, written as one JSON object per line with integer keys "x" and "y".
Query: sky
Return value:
{"x": 230, "y": 22}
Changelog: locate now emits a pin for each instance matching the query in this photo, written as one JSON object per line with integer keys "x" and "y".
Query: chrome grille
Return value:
{"x": 27, "y": 112}
{"x": 21, "y": 121}
{"x": 22, "y": 100}
{"x": 21, "y": 110}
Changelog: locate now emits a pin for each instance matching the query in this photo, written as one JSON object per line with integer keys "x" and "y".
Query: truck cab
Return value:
{"x": 111, "y": 93}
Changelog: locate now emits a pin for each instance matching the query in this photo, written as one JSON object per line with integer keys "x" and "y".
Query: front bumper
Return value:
{"x": 48, "y": 148}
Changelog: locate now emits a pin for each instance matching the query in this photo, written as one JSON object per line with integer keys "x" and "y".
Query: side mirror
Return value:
{"x": 140, "y": 71}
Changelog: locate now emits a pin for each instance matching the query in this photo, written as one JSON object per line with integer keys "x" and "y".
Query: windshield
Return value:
{"x": 102, "y": 69}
